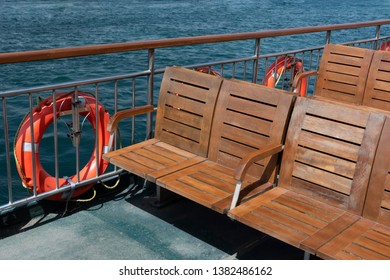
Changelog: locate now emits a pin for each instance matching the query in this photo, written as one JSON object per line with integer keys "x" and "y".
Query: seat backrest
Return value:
{"x": 248, "y": 117}
{"x": 377, "y": 205}
{"x": 343, "y": 73}
{"x": 329, "y": 151}
{"x": 186, "y": 109}
{"x": 377, "y": 93}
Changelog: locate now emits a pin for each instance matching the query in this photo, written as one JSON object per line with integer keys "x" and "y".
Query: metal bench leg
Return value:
{"x": 306, "y": 256}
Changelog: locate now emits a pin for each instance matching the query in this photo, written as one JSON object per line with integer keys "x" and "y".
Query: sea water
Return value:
{"x": 43, "y": 24}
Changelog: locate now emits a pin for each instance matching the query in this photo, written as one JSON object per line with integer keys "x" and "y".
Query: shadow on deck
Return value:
{"x": 124, "y": 223}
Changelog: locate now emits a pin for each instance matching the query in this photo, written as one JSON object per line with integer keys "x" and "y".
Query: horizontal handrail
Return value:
{"x": 58, "y": 53}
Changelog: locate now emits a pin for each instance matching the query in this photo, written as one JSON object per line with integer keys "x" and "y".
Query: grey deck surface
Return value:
{"x": 123, "y": 224}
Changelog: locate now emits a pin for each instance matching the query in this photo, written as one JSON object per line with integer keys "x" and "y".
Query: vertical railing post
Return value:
{"x": 150, "y": 91}
{"x": 76, "y": 130}
{"x": 33, "y": 150}
{"x": 255, "y": 69}
{"x": 328, "y": 34}
{"x": 377, "y": 36}
{"x": 7, "y": 152}
{"x": 55, "y": 124}
{"x": 133, "y": 88}
{"x": 97, "y": 129}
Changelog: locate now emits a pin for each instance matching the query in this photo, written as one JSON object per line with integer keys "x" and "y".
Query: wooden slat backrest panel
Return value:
{"x": 377, "y": 92}
{"x": 186, "y": 109}
{"x": 377, "y": 205}
{"x": 329, "y": 152}
{"x": 343, "y": 73}
{"x": 248, "y": 117}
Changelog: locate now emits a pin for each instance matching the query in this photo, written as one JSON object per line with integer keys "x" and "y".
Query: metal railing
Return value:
{"x": 140, "y": 86}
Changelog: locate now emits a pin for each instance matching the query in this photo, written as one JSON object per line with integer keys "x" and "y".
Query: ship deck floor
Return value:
{"x": 126, "y": 224}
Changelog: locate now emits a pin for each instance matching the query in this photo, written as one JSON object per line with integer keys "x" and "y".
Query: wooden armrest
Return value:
{"x": 251, "y": 158}
{"x": 116, "y": 118}
{"x": 247, "y": 161}
{"x": 302, "y": 75}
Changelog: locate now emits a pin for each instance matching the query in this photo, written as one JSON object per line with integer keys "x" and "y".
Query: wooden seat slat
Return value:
{"x": 243, "y": 121}
{"x": 167, "y": 153}
{"x": 319, "y": 211}
{"x": 203, "y": 198}
{"x": 349, "y": 115}
{"x": 251, "y": 108}
{"x": 347, "y": 70}
{"x": 288, "y": 217}
{"x": 232, "y": 162}
{"x": 376, "y": 103}
{"x": 322, "y": 178}
{"x": 172, "y": 149}
{"x": 202, "y": 185}
{"x": 152, "y": 175}
{"x": 344, "y": 132}
{"x": 185, "y": 105}
{"x": 265, "y": 96}
{"x": 363, "y": 252}
{"x": 213, "y": 179}
{"x": 221, "y": 172}
{"x": 152, "y": 159}
{"x": 149, "y": 161}
{"x": 243, "y": 137}
{"x": 329, "y": 146}
{"x": 188, "y": 91}
{"x": 236, "y": 149}
{"x": 380, "y": 232}
{"x": 341, "y": 79}
{"x": 340, "y": 96}
{"x": 273, "y": 215}
{"x": 345, "y": 59}
{"x": 190, "y": 120}
{"x": 334, "y": 199}
{"x": 332, "y": 164}
{"x": 131, "y": 165}
{"x": 277, "y": 230}
{"x": 182, "y": 131}
{"x": 374, "y": 241}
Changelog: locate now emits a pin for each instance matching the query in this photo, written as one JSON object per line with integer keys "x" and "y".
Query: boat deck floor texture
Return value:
{"x": 126, "y": 224}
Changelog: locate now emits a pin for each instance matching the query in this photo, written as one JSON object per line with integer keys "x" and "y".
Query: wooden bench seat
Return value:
{"x": 377, "y": 91}
{"x": 342, "y": 73}
{"x": 249, "y": 120}
{"x": 325, "y": 170}
{"x": 369, "y": 236}
{"x": 183, "y": 124}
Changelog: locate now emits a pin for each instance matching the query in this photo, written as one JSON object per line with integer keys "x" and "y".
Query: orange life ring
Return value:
{"x": 43, "y": 116}
{"x": 286, "y": 63}
{"x": 208, "y": 70}
{"x": 385, "y": 46}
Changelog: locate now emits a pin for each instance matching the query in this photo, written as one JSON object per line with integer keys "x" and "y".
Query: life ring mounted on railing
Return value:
{"x": 208, "y": 70}
{"x": 43, "y": 117}
{"x": 385, "y": 46}
{"x": 278, "y": 68}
